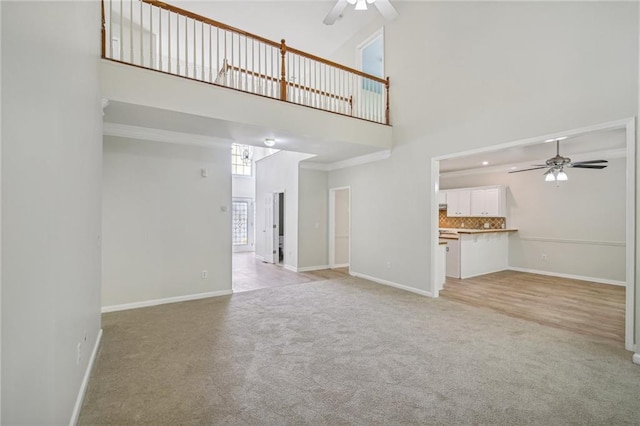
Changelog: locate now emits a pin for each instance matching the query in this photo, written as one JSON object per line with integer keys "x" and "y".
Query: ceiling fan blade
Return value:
{"x": 590, "y": 162}
{"x": 526, "y": 170}
{"x": 586, "y": 166}
{"x": 386, "y": 9}
{"x": 333, "y": 15}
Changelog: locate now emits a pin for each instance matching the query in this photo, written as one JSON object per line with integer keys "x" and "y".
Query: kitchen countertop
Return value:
{"x": 484, "y": 231}
{"x": 454, "y": 233}
{"x": 449, "y": 236}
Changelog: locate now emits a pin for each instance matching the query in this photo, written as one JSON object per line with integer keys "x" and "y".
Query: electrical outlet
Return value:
{"x": 205, "y": 274}
{"x": 543, "y": 256}
{"x": 78, "y": 353}
{"x": 388, "y": 264}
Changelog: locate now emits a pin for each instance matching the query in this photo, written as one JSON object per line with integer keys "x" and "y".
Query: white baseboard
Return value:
{"x": 341, "y": 265}
{"x": 484, "y": 273}
{"x": 85, "y": 381}
{"x": 392, "y": 284}
{"x": 155, "y": 302}
{"x": 570, "y": 276}
{"x": 636, "y": 358}
{"x": 312, "y": 268}
{"x": 260, "y": 258}
{"x": 290, "y": 268}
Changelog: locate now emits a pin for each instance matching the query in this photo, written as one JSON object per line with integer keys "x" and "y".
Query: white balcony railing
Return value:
{"x": 155, "y": 35}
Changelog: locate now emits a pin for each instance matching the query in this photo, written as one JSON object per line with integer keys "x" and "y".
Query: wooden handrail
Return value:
{"x": 336, "y": 65}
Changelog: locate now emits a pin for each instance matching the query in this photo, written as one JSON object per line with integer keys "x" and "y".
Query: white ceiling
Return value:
{"x": 591, "y": 146}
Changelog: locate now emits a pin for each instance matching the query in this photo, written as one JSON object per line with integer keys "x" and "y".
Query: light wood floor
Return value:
{"x": 248, "y": 274}
{"x": 580, "y": 306}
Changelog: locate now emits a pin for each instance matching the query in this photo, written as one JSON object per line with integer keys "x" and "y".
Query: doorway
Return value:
{"x": 339, "y": 227}
{"x": 370, "y": 54}
{"x": 628, "y": 128}
{"x": 274, "y": 228}
{"x": 369, "y": 96}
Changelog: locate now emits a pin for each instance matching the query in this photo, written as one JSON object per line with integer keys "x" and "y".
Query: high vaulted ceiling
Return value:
{"x": 299, "y": 22}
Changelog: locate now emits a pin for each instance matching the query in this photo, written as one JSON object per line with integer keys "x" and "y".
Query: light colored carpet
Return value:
{"x": 349, "y": 351}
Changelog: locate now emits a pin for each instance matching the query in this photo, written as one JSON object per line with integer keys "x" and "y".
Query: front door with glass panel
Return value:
{"x": 242, "y": 224}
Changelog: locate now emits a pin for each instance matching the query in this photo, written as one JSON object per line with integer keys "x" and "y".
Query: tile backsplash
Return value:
{"x": 471, "y": 222}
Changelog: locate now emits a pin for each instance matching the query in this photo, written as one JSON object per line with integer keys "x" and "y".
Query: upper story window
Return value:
{"x": 241, "y": 159}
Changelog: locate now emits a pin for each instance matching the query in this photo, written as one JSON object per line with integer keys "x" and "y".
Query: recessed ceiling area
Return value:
{"x": 156, "y": 119}
{"x": 603, "y": 145}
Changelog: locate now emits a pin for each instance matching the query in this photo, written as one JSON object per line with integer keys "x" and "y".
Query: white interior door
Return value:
{"x": 339, "y": 227}
{"x": 269, "y": 231}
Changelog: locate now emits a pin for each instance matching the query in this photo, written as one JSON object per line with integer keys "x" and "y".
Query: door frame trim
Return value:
{"x": 629, "y": 124}
{"x": 332, "y": 226}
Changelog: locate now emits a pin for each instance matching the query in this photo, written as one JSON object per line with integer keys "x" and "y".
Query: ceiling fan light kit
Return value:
{"x": 556, "y": 165}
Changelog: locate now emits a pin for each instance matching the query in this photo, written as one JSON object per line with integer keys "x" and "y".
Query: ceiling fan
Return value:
{"x": 384, "y": 7}
{"x": 557, "y": 164}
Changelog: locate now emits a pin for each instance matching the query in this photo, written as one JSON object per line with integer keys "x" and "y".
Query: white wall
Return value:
{"x": 341, "y": 229}
{"x": 466, "y": 75}
{"x": 277, "y": 173}
{"x": 0, "y": 215}
{"x": 162, "y": 221}
{"x": 582, "y": 221}
{"x": 313, "y": 219}
{"x": 51, "y": 173}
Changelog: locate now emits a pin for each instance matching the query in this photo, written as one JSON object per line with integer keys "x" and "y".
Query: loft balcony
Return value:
{"x": 157, "y": 57}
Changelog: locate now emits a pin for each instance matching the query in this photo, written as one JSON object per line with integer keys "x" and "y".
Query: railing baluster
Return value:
{"x": 233, "y": 63}
{"x": 195, "y": 51}
{"x": 160, "y": 65}
{"x": 141, "y": 32}
{"x": 210, "y": 56}
{"x": 120, "y": 57}
{"x": 186, "y": 46}
{"x": 131, "y": 31}
{"x": 177, "y": 44}
{"x": 246, "y": 63}
{"x": 110, "y": 30}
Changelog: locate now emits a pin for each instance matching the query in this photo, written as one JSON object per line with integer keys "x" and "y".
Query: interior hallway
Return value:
{"x": 249, "y": 273}
{"x": 580, "y": 306}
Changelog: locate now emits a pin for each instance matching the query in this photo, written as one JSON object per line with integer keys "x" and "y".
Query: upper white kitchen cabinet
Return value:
{"x": 489, "y": 202}
{"x": 442, "y": 197}
{"x": 459, "y": 203}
